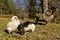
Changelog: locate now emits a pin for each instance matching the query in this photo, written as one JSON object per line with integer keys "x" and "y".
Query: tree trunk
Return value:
{"x": 45, "y": 5}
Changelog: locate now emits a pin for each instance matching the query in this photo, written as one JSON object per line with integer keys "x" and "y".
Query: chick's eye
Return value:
{"x": 15, "y": 18}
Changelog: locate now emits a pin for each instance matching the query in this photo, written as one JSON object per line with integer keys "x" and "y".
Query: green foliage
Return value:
{"x": 32, "y": 8}
{"x": 3, "y": 6}
{"x": 56, "y": 18}
{"x": 11, "y": 7}
{"x": 6, "y": 6}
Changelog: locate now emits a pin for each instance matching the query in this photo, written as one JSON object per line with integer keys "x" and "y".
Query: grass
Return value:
{"x": 51, "y": 31}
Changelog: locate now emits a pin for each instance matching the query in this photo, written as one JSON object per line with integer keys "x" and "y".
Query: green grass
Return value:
{"x": 51, "y": 31}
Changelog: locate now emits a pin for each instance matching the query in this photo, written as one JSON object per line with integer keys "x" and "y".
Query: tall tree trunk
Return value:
{"x": 45, "y": 5}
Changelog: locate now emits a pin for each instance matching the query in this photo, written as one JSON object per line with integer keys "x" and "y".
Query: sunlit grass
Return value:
{"x": 51, "y": 31}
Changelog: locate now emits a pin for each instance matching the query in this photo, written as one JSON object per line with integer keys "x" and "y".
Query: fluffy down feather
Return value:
{"x": 13, "y": 24}
{"x": 30, "y": 27}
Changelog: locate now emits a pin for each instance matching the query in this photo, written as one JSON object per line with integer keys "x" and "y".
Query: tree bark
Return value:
{"x": 45, "y": 5}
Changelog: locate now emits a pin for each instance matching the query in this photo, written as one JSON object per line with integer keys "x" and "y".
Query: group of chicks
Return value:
{"x": 15, "y": 23}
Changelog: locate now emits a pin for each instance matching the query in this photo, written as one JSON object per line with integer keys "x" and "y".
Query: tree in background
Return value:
{"x": 32, "y": 8}
{"x": 45, "y": 5}
{"x": 11, "y": 7}
{"x": 3, "y": 6}
{"x": 7, "y": 7}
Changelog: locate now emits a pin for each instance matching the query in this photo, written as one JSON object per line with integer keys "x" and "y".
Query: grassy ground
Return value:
{"x": 51, "y": 31}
